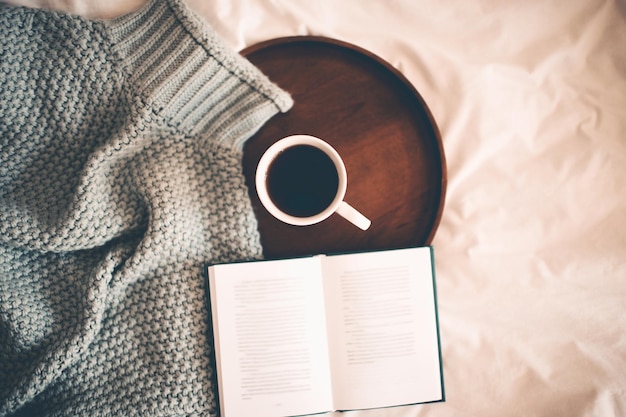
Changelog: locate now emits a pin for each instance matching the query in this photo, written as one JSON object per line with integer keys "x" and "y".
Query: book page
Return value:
{"x": 382, "y": 328}
{"x": 270, "y": 338}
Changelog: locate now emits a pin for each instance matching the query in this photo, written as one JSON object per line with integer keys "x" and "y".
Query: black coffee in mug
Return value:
{"x": 302, "y": 181}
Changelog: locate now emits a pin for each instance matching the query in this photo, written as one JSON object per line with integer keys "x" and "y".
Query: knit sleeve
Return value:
{"x": 181, "y": 69}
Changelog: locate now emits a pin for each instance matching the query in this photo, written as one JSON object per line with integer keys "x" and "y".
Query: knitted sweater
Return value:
{"x": 120, "y": 178}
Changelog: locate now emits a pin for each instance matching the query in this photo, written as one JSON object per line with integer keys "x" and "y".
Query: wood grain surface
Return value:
{"x": 381, "y": 127}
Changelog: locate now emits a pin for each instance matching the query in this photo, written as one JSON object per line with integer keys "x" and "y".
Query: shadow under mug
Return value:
{"x": 297, "y": 155}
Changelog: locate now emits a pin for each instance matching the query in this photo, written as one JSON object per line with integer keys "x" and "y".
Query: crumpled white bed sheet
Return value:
{"x": 530, "y": 99}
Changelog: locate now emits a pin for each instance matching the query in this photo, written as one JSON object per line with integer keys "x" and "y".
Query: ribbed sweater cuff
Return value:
{"x": 181, "y": 68}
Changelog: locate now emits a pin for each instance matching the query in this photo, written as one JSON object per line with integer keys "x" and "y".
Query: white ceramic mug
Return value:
{"x": 337, "y": 205}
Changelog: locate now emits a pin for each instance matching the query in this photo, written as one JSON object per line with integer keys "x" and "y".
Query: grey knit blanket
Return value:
{"x": 120, "y": 178}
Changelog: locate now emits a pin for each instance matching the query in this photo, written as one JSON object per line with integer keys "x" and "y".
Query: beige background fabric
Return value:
{"x": 530, "y": 98}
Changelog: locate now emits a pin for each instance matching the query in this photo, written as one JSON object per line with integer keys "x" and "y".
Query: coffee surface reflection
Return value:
{"x": 302, "y": 181}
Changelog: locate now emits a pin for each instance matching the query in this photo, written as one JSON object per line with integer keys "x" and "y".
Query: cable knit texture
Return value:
{"x": 120, "y": 177}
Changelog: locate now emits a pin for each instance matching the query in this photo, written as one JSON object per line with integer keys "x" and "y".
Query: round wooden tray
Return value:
{"x": 378, "y": 123}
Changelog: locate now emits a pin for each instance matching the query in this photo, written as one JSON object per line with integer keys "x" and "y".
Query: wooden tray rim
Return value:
{"x": 396, "y": 73}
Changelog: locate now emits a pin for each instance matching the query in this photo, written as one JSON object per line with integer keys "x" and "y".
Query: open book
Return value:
{"x": 323, "y": 333}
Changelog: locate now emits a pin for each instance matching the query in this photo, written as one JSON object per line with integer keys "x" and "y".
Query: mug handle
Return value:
{"x": 351, "y": 214}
